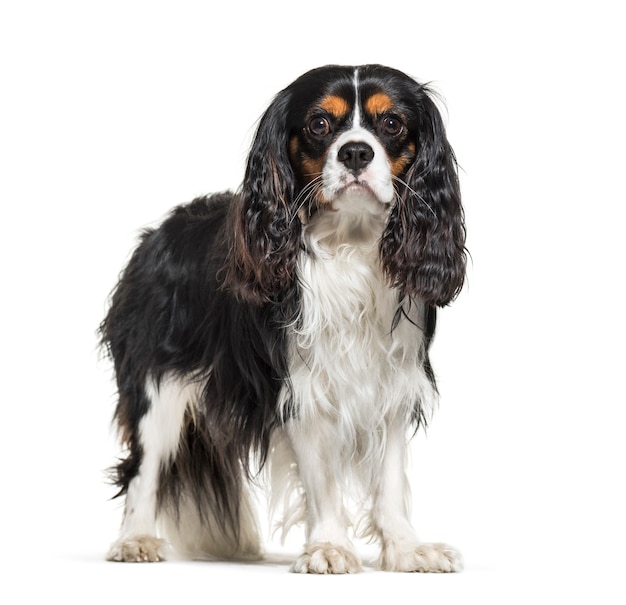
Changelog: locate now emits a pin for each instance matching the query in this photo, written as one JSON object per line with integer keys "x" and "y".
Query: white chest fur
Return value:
{"x": 350, "y": 362}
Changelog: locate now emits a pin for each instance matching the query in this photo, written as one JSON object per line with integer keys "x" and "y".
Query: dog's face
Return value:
{"x": 353, "y": 132}
{"x": 357, "y": 141}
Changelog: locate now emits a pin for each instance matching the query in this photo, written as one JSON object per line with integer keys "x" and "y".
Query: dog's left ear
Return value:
{"x": 423, "y": 246}
{"x": 266, "y": 232}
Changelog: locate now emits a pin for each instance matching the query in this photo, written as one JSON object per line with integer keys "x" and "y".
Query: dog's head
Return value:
{"x": 352, "y": 140}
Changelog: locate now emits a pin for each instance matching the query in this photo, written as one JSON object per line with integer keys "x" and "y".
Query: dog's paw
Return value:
{"x": 434, "y": 558}
{"x": 326, "y": 558}
{"x": 139, "y": 549}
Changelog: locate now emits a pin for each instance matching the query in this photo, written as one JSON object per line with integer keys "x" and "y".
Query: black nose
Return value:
{"x": 355, "y": 156}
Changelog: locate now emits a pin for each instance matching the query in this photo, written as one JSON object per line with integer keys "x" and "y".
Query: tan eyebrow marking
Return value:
{"x": 335, "y": 106}
{"x": 378, "y": 103}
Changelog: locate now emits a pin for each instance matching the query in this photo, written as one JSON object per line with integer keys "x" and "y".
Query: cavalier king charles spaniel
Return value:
{"x": 286, "y": 326}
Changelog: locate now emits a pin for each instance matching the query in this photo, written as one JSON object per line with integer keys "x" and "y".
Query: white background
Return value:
{"x": 113, "y": 112}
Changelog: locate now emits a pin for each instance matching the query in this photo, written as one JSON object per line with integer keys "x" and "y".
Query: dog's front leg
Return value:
{"x": 400, "y": 548}
{"x": 328, "y": 549}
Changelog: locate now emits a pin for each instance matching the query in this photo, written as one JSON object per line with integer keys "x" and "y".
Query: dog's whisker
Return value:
{"x": 414, "y": 194}
{"x": 307, "y": 194}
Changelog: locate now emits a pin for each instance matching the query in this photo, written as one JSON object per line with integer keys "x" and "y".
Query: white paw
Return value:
{"x": 139, "y": 549}
{"x": 326, "y": 558}
{"x": 437, "y": 558}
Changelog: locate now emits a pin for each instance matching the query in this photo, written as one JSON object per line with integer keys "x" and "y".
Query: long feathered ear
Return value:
{"x": 266, "y": 235}
{"x": 423, "y": 246}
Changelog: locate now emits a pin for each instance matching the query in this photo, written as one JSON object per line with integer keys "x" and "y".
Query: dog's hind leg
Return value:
{"x": 154, "y": 441}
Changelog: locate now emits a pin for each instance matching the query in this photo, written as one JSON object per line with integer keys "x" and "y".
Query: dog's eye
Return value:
{"x": 391, "y": 125}
{"x": 319, "y": 126}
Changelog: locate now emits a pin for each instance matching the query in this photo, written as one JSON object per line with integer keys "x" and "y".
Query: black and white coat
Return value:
{"x": 288, "y": 325}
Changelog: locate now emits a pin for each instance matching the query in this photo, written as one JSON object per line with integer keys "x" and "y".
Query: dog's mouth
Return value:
{"x": 359, "y": 190}
{"x": 356, "y": 188}
{"x": 353, "y": 193}
{"x": 357, "y": 185}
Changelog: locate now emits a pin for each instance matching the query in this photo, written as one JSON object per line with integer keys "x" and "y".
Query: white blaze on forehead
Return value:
{"x": 356, "y": 122}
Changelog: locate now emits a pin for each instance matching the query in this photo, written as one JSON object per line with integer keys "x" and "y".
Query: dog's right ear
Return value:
{"x": 266, "y": 234}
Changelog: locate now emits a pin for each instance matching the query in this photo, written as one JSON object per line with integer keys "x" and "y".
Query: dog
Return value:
{"x": 286, "y": 327}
